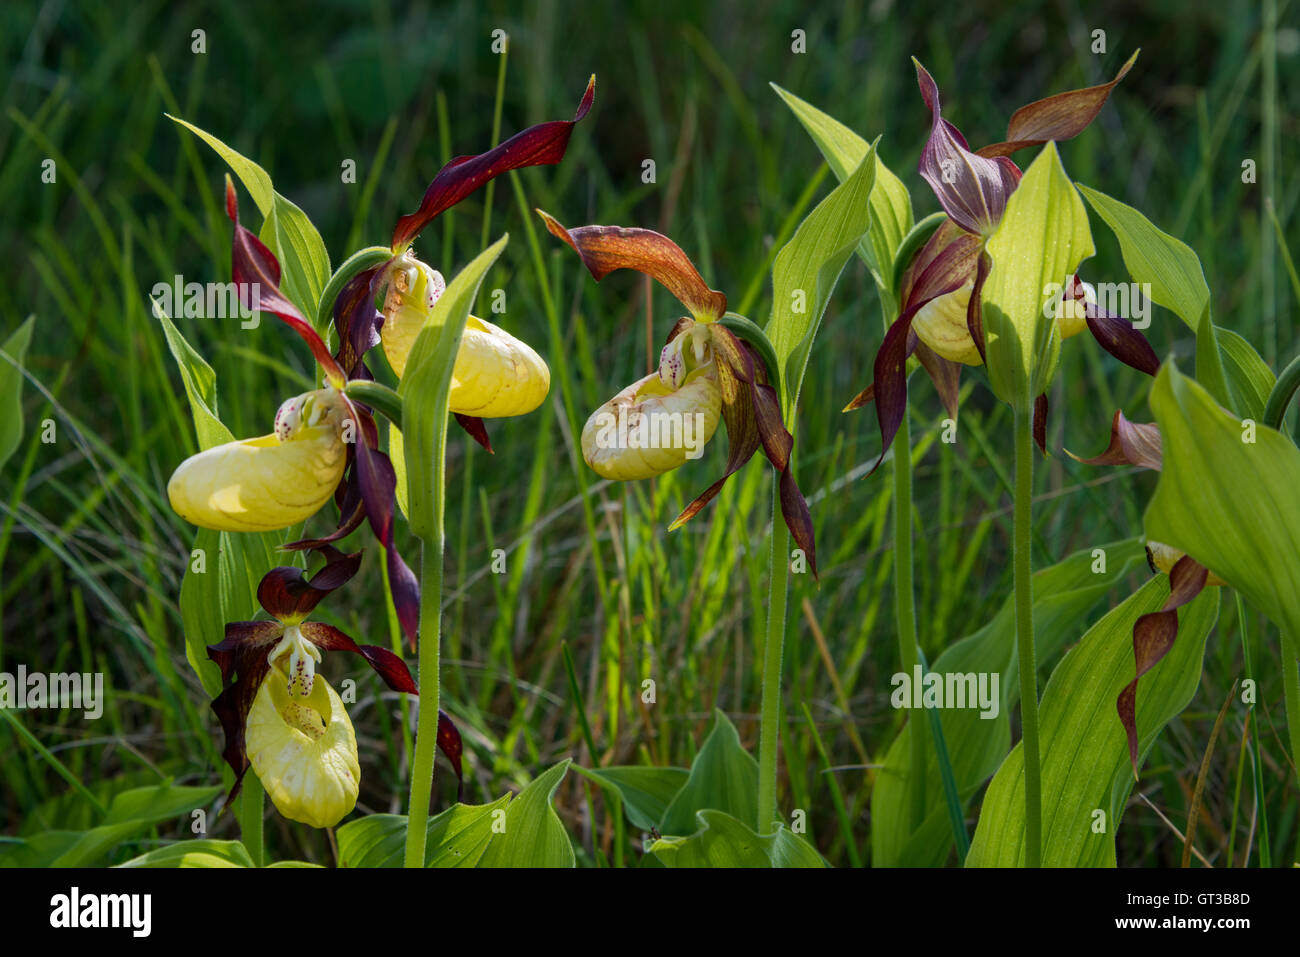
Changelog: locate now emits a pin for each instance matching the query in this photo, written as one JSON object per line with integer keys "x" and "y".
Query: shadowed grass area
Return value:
{"x": 92, "y": 556}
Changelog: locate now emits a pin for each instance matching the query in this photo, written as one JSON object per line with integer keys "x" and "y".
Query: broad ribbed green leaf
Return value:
{"x": 646, "y": 791}
{"x": 426, "y": 388}
{"x": 1064, "y": 594}
{"x": 891, "y": 206}
{"x": 13, "y": 353}
{"x": 1041, "y": 239}
{"x": 723, "y": 841}
{"x": 456, "y": 838}
{"x": 534, "y": 835}
{"x": 1229, "y": 496}
{"x": 806, "y": 270}
{"x": 724, "y": 777}
{"x": 1086, "y": 773}
{"x": 197, "y": 853}
{"x": 1167, "y": 264}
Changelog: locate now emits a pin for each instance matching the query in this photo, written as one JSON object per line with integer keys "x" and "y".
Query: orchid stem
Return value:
{"x": 251, "y": 808}
{"x": 430, "y": 637}
{"x": 1024, "y": 585}
{"x": 905, "y": 604}
{"x": 769, "y": 733}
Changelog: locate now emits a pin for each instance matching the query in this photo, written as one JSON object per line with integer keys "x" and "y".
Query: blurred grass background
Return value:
{"x": 92, "y": 557}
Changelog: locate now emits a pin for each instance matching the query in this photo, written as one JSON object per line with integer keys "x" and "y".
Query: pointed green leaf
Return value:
{"x": 286, "y": 230}
{"x": 130, "y": 813}
{"x": 1037, "y": 246}
{"x": 724, "y": 776}
{"x": 646, "y": 791}
{"x": 1170, "y": 267}
{"x": 723, "y": 841}
{"x": 534, "y": 835}
{"x": 13, "y": 353}
{"x": 891, "y": 206}
{"x": 805, "y": 273}
{"x": 1228, "y": 496}
{"x": 1085, "y": 754}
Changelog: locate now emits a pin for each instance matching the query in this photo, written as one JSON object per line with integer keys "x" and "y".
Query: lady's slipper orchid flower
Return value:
{"x": 496, "y": 375}
{"x": 1134, "y": 443}
{"x": 270, "y": 482}
{"x": 706, "y": 371}
{"x": 939, "y": 318}
{"x": 283, "y": 718}
{"x": 321, "y": 437}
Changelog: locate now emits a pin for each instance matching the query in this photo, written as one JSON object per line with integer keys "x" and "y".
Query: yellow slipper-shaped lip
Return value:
{"x": 267, "y": 483}
{"x": 647, "y": 429}
{"x": 941, "y": 325}
{"x": 304, "y": 751}
{"x": 496, "y": 375}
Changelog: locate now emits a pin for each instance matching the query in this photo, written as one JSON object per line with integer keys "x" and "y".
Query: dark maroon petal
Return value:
{"x": 743, "y": 438}
{"x": 242, "y": 636}
{"x": 971, "y": 189}
{"x": 890, "y": 386}
{"x": 1060, "y": 117}
{"x": 748, "y": 368}
{"x": 1121, "y": 339}
{"x": 386, "y": 664}
{"x": 1131, "y": 443}
{"x": 605, "y": 249}
{"x": 253, "y": 264}
{"x": 1040, "y": 423}
{"x": 352, "y": 514}
{"x": 378, "y": 485}
{"x": 287, "y": 594}
{"x": 946, "y": 262}
{"x": 450, "y": 744}
{"x": 1153, "y": 636}
{"x": 357, "y": 321}
{"x": 241, "y": 655}
{"x": 975, "y": 307}
{"x": 944, "y": 373}
{"x": 476, "y": 429}
{"x": 541, "y": 145}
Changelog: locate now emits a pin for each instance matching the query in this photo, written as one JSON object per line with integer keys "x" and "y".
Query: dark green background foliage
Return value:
{"x": 92, "y": 556}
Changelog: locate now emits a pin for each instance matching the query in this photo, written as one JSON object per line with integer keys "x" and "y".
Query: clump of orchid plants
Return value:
{"x": 278, "y": 715}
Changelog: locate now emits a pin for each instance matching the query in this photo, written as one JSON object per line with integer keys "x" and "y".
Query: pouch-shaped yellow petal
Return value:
{"x": 304, "y": 751}
{"x": 266, "y": 483}
{"x": 648, "y": 429}
{"x": 496, "y": 375}
{"x": 941, "y": 325}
